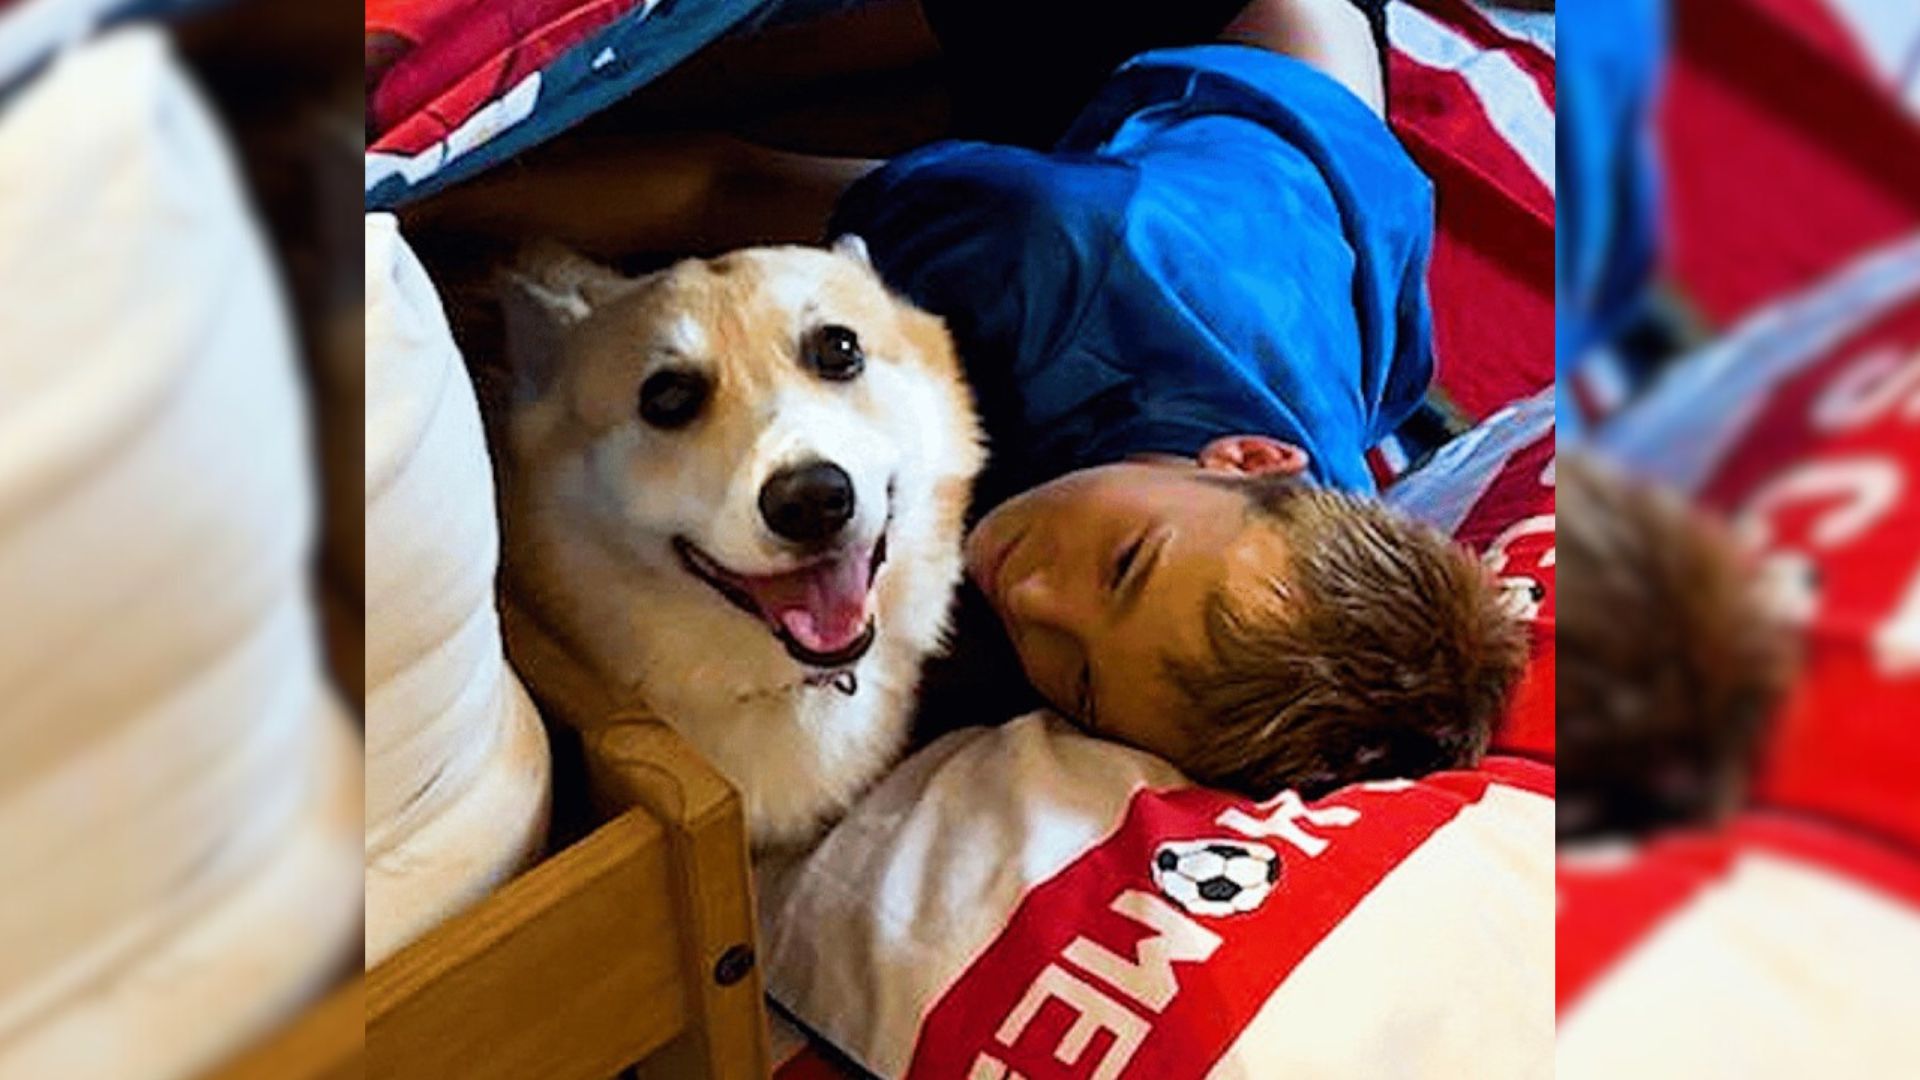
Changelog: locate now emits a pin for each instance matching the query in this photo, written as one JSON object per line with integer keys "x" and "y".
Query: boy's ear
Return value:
{"x": 1253, "y": 455}
{"x": 851, "y": 246}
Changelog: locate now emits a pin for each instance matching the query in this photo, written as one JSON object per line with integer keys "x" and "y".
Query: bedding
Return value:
{"x": 457, "y": 766}
{"x": 1027, "y": 900}
{"x": 179, "y": 787}
{"x": 1775, "y": 946}
{"x": 1473, "y": 101}
{"x": 1492, "y": 490}
{"x": 1807, "y": 94}
{"x": 32, "y": 33}
{"x": 1800, "y": 427}
{"x": 457, "y": 86}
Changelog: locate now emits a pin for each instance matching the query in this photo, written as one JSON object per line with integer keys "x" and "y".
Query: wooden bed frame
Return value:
{"x": 632, "y": 948}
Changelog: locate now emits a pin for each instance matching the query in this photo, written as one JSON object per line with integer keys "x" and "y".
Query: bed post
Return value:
{"x": 640, "y": 761}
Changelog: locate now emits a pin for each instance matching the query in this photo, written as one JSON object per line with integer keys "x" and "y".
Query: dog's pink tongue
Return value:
{"x": 824, "y": 608}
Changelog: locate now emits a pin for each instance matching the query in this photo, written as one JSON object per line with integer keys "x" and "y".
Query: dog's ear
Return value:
{"x": 533, "y": 333}
{"x": 545, "y": 292}
{"x": 568, "y": 285}
{"x": 851, "y": 246}
{"x": 560, "y": 307}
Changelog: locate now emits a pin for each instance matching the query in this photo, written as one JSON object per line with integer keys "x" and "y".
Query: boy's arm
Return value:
{"x": 1331, "y": 35}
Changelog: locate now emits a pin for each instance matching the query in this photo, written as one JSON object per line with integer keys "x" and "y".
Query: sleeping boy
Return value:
{"x": 1185, "y": 324}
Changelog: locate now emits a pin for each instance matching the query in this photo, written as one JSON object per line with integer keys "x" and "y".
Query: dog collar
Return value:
{"x": 844, "y": 681}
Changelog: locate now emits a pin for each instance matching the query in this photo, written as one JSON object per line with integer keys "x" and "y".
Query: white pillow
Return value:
{"x": 178, "y": 786}
{"x": 457, "y": 767}
{"x": 997, "y": 906}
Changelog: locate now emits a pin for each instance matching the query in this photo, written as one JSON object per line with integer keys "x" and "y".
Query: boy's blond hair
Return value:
{"x": 1380, "y": 649}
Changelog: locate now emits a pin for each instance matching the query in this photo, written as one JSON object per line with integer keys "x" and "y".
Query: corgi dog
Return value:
{"x": 736, "y": 489}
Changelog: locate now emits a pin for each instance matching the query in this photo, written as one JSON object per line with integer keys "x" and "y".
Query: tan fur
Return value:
{"x": 592, "y": 497}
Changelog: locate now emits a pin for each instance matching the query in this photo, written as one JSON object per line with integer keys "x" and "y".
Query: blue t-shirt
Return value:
{"x": 1226, "y": 242}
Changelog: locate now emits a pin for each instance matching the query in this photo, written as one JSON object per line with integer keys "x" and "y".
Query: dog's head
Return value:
{"x": 768, "y": 424}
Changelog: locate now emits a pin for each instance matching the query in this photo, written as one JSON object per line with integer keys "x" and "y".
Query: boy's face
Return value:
{"x": 1102, "y": 576}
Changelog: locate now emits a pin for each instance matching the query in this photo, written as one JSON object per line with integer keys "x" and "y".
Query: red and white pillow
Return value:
{"x": 1473, "y": 99}
{"x": 1027, "y": 900}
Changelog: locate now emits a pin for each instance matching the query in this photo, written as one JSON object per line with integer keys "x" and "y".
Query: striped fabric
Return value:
{"x": 1473, "y": 98}
{"x": 1798, "y": 92}
{"x": 459, "y": 86}
{"x": 1493, "y": 490}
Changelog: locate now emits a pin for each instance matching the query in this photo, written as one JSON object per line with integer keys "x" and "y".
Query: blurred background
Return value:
{"x": 1738, "y": 310}
{"x": 180, "y": 531}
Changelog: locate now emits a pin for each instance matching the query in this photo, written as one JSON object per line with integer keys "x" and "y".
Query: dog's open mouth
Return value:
{"x": 820, "y": 612}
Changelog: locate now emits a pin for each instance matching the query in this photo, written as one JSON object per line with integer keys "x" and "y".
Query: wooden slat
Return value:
{"x": 571, "y": 972}
{"x": 645, "y": 762}
{"x": 636, "y": 760}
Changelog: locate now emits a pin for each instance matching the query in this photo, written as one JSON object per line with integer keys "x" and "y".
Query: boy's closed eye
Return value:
{"x": 1135, "y": 567}
{"x": 1124, "y": 564}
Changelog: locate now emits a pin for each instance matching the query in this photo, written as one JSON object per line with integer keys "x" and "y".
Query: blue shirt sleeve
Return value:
{"x": 1225, "y": 242}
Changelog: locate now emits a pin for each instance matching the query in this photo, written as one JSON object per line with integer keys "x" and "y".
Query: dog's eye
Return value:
{"x": 834, "y": 352}
{"x": 671, "y": 399}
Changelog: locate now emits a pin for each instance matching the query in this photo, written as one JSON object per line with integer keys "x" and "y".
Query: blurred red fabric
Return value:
{"x": 1784, "y": 154}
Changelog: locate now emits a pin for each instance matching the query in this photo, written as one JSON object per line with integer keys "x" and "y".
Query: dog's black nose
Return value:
{"x": 808, "y": 504}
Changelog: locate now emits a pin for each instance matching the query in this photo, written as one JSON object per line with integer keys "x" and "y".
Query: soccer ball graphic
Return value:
{"x": 1521, "y": 597}
{"x": 1216, "y": 877}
